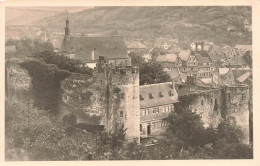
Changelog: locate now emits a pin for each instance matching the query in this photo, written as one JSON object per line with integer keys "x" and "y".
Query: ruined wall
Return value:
{"x": 206, "y": 103}
{"x": 237, "y": 108}
{"x": 81, "y": 92}
{"x": 122, "y": 101}
{"x": 18, "y": 81}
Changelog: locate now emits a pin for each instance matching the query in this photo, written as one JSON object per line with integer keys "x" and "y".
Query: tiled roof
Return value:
{"x": 109, "y": 47}
{"x": 243, "y": 77}
{"x": 167, "y": 58}
{"x": 203, "y": 57}
{"x": 135, "y": 44}
{"x": 184, "y": 55}
{"x": 237, "y": 72}
{"x": 154, "y": 90}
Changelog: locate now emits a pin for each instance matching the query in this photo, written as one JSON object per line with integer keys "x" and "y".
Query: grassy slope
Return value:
{"x": 210, "y": 22}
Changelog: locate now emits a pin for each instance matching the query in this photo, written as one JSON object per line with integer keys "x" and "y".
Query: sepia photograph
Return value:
{"x": 128, "y": 83}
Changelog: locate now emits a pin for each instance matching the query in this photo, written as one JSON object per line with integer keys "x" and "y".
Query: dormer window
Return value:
{"x": 141, "y": 97}
{"x": 170, "y": 93}
{"x": 151, "y": 96}
{"x": 161, "y": 95}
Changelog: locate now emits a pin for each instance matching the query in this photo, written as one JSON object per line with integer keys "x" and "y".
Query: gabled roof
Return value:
{"x": 155, "y": 90}
{"x": 184, "y": 55}
{"x": 109, "y": 47}
{"x": 167, "y": 58}
{"x": 135, "y": 44}
{"x": 203, "y": 57}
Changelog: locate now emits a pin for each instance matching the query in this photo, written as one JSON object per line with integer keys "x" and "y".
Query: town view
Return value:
{"x": 128, "y": 83}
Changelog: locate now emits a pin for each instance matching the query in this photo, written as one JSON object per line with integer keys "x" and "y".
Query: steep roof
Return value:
{"x": 155, "y": 90}
{"x": 135, "y": 44}
{"x": 244, "y": 77}
{"x": 203, "y": 57}
{"x": 109, "y": 47}
{"x": 184, "y": 55}
{"x": 167, "y": 58}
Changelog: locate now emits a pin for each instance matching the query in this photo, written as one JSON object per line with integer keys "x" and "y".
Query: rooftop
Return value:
{"x": 109, "y": 47}
{"x": 157, "y": 94}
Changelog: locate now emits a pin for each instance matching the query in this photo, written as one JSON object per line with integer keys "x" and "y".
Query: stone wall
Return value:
{"x": 83, "y": 92}
{"x": 206, "y": 103}
{"x": 237, "y": 108}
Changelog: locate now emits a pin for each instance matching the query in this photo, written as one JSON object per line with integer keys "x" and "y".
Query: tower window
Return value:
{"x": 141, "y": 97}
{"x": 202, "y": 102}
{"x": 170, "y": 93}
{"x": 121, "y": 114}
{"x": 161, "y": 95}
{"x": 151, "y": 96}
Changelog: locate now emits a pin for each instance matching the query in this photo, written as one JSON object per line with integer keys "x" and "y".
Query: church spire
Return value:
{"x": 67, "y": 29}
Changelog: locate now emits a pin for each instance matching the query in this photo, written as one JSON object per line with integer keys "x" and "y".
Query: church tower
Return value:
{"x": 67, "y": 28}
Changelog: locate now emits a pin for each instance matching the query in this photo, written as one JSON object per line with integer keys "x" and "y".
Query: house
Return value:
{"x": 156, "y": 103}
{"x": 136, "y": 46}
{"x": 243, "y": 48}
{"x": 204, "y": 64}
{"x": 170, "y": 61}
{"x": 112, "y": 49}
{"x": 164, "y": 43}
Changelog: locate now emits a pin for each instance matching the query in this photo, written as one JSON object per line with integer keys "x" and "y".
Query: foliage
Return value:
{"x": 150, "y": 72}
{"x": 28, "y": 47}
{"x": 45, "y": 83}
{"x": 64, "y": 63}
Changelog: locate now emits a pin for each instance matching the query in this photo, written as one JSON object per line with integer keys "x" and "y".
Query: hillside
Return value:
{"x": 194, "y": 23}
{"x": 19, "y": 16}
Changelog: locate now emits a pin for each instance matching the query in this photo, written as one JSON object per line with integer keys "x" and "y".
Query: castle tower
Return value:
{"x": 122, "y": 103}
{"x": 237, "y": 108}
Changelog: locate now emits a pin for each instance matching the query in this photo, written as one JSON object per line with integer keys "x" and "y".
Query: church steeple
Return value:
{"x": 67, "y": 29}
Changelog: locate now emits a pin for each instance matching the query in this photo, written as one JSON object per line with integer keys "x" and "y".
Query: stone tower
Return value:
{"x": 237, "y": 108}
{"x": 121, "y": 99}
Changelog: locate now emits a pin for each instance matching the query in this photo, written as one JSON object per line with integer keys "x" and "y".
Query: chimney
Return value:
{"x": 93, "y": 54}
{"x": 196, "y": 47}
{"x": 173, "y": 84}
